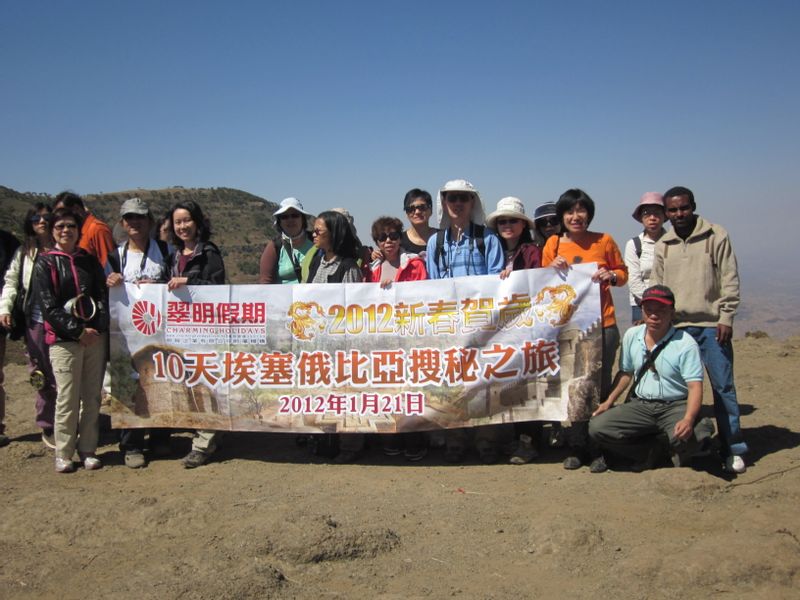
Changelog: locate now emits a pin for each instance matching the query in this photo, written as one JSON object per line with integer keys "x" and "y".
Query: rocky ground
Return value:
{"x": 267, "y": 521}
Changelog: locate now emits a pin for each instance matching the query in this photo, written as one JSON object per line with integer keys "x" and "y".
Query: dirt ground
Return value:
{"x": 267, "y": 521}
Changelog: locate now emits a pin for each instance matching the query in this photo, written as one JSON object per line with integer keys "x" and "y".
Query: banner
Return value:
{"x": 357, "y": 358}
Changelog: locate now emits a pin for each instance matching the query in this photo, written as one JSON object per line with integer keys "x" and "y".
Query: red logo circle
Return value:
{"x": 146, "y": 317}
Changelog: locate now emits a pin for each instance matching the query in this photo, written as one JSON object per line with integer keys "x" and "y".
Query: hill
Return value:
{"x": 241, "y": 222}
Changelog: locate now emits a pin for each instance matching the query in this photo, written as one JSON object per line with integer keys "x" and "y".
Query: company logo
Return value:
{"x": 302, "y": 323}
{"x": 146, "y": 317}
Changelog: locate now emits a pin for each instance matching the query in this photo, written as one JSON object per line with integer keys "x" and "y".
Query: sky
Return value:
{"x": 352, "y": 103}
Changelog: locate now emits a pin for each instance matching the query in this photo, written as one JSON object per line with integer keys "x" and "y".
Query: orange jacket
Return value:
{"x": 600, "y": 248}
{"x": 96, "y": 239}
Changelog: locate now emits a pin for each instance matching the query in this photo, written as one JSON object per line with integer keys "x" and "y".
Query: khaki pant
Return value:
{"x": 78, "y": 371}
{"x": 206, "y": 441}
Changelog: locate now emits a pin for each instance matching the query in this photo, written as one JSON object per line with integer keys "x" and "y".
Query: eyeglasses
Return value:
{"x": 319, "y": 232}
{"x": 63, "y": 226}
{"x": 416, "y": 208}
{"x": 288, "y": 216}
{"x": 39, "y": 218}
{"x": 392, "y": 235}
{"x": 463, "y": 198}
{"x": 501, "y": 222}
{"x": 547, "y": 221}
{"x": 133, "y": 216}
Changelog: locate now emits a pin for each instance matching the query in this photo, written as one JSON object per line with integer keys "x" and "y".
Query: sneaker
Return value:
{"x": 64, "y": 465}
{"x": 735, "y": 464}
{"x": 134, "y": 459}
{"x": 415, "y": 454}
{"x": 598, "y": 465}
{"x": 91, "y": 462}
{"x": 525, "y": 451}
{"x": 4, "y": 440}
{"x": 49, "y": 439}
{"x": 572, "y": 462}
{"x": 195, "y": 459}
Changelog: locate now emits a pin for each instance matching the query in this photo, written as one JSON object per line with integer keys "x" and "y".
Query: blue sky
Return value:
{"x": 352, "y": 103}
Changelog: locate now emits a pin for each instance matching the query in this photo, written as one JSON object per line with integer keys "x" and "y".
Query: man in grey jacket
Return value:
{"x": 696, "y": 260}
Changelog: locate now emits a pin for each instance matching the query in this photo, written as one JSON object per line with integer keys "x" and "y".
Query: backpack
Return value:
{"x": 477, "y": 231}
{"x": 637, "y": 245}
{"x": 116, "y": 266}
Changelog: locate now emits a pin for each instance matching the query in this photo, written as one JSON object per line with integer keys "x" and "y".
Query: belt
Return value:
{"x": 658, "y": 400}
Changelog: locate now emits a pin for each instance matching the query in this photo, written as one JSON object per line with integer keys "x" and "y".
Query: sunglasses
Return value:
{"x": 547, "y": 221}
{"x": 318, "y": 232}
{"x": 39, "y": 218}
{"x": 463, "y": 198}
{"x": 63, "y": 226}
{"x": 133, "y": 216}
{"x": 288, "y": 216}
{"x": 392, "y": 235}
{"x": 416, "y": 208}
{"x": 501, "y": 222}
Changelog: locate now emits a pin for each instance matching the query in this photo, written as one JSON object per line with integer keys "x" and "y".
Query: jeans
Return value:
{"x": 718, "y": 361}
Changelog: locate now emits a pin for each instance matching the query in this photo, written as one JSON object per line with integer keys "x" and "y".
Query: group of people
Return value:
{"x": 683, "y": 284}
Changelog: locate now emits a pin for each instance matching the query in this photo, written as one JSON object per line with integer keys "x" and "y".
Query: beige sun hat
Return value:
{"x": 512, "y": 207}
{"x": 459, "y": 185}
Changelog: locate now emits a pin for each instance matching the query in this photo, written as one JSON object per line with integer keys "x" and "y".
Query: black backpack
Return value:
{"x": 478, "y": 232}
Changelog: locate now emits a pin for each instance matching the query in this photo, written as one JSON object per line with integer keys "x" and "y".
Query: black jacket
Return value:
{"x": 205, "y": 267}
{"x": 54, "y": 284}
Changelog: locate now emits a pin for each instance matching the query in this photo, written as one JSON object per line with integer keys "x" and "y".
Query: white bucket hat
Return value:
{"x": 459, "y": 185}
{"x": 509, "y": 206}
{"x": 289, "y": 203}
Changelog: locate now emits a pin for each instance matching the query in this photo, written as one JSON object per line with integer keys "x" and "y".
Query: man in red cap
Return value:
{"x": 667, "y": 374}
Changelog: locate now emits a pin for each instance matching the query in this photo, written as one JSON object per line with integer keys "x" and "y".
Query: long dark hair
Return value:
{"x": 344, "y": 242}
{"x": 31, "y": 239}
{"x": 203, "y": 227}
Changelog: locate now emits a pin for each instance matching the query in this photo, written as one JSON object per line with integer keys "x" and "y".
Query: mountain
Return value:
{"x": 241, "y": 222}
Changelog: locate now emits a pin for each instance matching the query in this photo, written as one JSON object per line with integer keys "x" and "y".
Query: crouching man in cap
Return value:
{"x": 667, "y": 373}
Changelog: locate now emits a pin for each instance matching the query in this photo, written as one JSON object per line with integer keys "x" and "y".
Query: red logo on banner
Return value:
{"x": 145, "y": 317}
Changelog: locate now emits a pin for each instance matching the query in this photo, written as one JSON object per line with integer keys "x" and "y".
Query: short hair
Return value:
{"x": 343, "y": 241}
{"x": 412, "y": 195}
{"x": 679, "y": 190}
{"x": 64, "y": 213}
{"x": 203, "y": 228}
{"x": 572, "y": 198}
{"x": 382, "y": 223}
{"x": 69, "y": 200}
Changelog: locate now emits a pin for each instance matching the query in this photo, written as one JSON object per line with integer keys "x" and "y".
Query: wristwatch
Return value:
{"x": 613, "y": 278}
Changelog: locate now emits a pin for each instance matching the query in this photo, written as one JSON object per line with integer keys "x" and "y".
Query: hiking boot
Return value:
{"x": 91, "y": 462}
{"x": 598, "y": 465}
{"x": 134, "y": 459}
{"x": 735, "y": 464}
{"x": 195, "y": 459}
{"x": 49, "y": 439}
{"x": 64, "y": 465}
{"x": 525, "y": 451}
